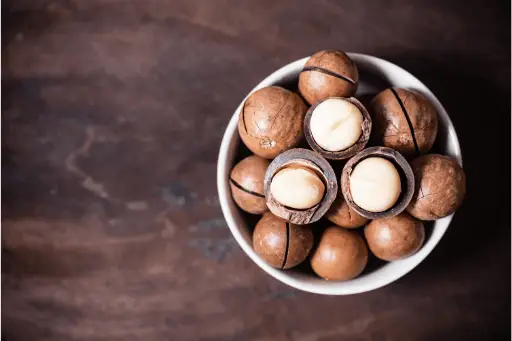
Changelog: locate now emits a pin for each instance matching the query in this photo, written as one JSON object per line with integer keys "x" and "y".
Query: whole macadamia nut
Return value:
{"x": 328, "y": 73}
{"x": 440, "y": 187}
{"x": 297, "y": 187}
{"x": 247, "y": 184}
{"x": 341, "y": 255}
{"x": 375, "y": 184}
{"x": 281, "y": 244}
{"x": 403, "y": 120}
{"x": 343, "y": 215}
{"x": 394, "y": 238}
{"x": 271, "y": 121}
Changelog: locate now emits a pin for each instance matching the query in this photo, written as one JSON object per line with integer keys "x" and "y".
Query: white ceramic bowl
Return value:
{"x": 371, "y": 69}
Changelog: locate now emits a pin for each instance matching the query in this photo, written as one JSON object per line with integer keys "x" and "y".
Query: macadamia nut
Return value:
{"x": 375, "y": 184}
{"x": 336, "y": 124}
{"x": 297, "y": 187}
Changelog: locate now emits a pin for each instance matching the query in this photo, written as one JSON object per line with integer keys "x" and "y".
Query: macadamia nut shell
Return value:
{"x": 440, "y": 187}
{"x": 403, "y": 168}
{"x": 271, "y": 121}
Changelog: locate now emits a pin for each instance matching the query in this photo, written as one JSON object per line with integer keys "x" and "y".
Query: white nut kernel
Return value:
{"x": 336, "y": 124}
{"x": 297, "y": 187}
{"x": 375, "y": 184}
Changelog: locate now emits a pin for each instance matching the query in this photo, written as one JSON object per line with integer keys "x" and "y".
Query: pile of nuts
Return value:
{"x": 388, "y": 182}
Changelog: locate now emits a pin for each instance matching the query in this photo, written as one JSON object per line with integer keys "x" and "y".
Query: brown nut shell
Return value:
{"x": 404, "y": 120}
{"x": 401, "y": 165}
{"x": 271, "y": 121}
{"x": 343, "y": 215}
{"x": 440, "y": 187}
{"x": 313, "y": 161}
{"x": 366, "y": 128}
{"x": 247, "y": 184}
{"x": 281, "y": 244}
{"x": 341, "y": 255}
{"x": 395, "y": 237}
{"x": 328, "y": 73}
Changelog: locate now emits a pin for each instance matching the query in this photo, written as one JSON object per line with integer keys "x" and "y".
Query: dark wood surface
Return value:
{"x": 112, "y": 116}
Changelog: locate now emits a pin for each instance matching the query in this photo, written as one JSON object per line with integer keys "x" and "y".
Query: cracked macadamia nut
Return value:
{"x": 337, "y": 128}
{"x": 403, "y": 120}
{"x": 440, "y": 187}
{"x": 340, "y": 255}
{"x": 281, "y": 244}
{"x": 247, "y": 184}
{"x": 343, "y": 215}
{"x": 300, "y": 186}
{"x": 297, "y": 187}
{"x": 328, "y": 73}
{"x": 271, "y": 121}
{"x": 383, "y": 181}
{"x": 336, "y": 124}
{"x": 375, "y": 184}
{"x": 394, "y": 238}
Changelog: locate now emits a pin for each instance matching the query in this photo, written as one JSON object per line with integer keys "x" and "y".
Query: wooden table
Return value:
{"x": 113, "y": 112}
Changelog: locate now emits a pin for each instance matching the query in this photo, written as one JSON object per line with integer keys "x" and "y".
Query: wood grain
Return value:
{"x": 113, "y": 113}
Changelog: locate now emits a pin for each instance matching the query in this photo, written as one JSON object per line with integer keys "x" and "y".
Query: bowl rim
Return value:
{"x": 334, "y": 288}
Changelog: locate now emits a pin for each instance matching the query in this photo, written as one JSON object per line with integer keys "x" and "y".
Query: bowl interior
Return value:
{"x": 374, "y": 75}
